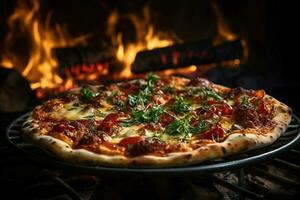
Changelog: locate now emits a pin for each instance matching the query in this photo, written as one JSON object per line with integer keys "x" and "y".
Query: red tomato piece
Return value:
{"x": 109, "y": 145}
{"x": 109, "y": 121}
{"x": 262, "y": 109}
{"x": 130, "y": 140}
{"x": 166, "y": 119}
{"x": 215, "y": 132}
{"x": 63, "y": 127}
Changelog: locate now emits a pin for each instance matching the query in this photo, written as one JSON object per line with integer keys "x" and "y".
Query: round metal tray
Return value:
{"x": 288, "y": 140}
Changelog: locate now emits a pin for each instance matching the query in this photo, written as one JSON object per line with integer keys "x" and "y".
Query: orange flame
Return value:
{"x": 147, "y": 39}
{"x": 41, "y": 67}
{"x": 226, "y": 34}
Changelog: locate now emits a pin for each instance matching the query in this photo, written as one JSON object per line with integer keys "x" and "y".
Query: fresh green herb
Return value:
{"x": 205, "y": 93}
{"x": 142, "y": 97}
{"x": 88, "y": 94}
{"x": 151, "y": 81}
{"x": 140, "y": 116}
{"x": 201, "y": 127}
{"x": 138, "y": 99}
{"x": 179, "y": 127}
{"x": 181, "y": 105}
{"x": 245, "y": 101}
{"x": 153, "y": 114}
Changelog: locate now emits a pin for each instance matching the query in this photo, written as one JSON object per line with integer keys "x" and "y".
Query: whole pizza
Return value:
{"x": 156, "y": 121}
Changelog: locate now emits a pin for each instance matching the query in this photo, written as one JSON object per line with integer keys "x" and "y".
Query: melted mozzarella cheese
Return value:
{"x": 226, "y": 123}
{"x": 81, "y": 112}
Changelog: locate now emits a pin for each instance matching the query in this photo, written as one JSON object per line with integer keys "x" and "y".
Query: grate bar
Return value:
{"x": 237, "y": 189}
{"x": 73, "y": 194}
{"x": 294, "y": 151}
{"x": 272, "y": 177}
{"x": 284, "y": 163}
{"x": 289, "y": 133}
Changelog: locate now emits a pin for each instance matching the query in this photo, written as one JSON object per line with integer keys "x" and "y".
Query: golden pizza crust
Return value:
{"x": 234, "y": 143}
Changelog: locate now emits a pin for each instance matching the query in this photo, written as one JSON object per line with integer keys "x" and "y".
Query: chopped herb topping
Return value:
{"x": 151, "y": 81}
{"x": 205, "y": 93}
{"x": 201, "y": 127}
{"x": 139, "y": 99}
{"x": 88, "y": 94}
{"x": 183, "y": 129}
{"x": 245, "y": 102}
{"x": 141, "y": 116}
{"x": 143, "y": 96}
{"x": 179, "y": 127}
{"x": 181, "y": 105}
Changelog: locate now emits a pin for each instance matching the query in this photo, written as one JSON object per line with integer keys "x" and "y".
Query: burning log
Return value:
{"x": 15, "y": 92}
{"x": 202, "y": 52}
{"x": 82, "y": 60}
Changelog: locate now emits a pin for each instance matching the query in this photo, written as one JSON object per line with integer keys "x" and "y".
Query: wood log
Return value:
{"x": 79, "y": 60}
{"x": 181, "y": 55}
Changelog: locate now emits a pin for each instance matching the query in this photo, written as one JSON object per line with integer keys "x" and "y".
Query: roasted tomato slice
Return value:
{"x": 215, "y": 133}
{"x": 109, "y": 145}
{"x": 262, "y": 109}
{"x": 130, "y": 140}
{"x": 259, "y": 94}
{"x": 220, "y": 108}
{"x": 166, "y": 119}
{"x": 63, "y": 127}
{"x": 109, "y": 121}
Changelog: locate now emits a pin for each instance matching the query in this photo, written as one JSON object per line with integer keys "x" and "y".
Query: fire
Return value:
{"x": 40, "y": 69}
{"x": 147, "y": 39}
{"x": 127, "y": 54}
{"x": 226, "y": 34}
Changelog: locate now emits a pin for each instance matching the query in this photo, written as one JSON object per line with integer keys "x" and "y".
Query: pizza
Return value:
{"x": 156, "y": 121}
